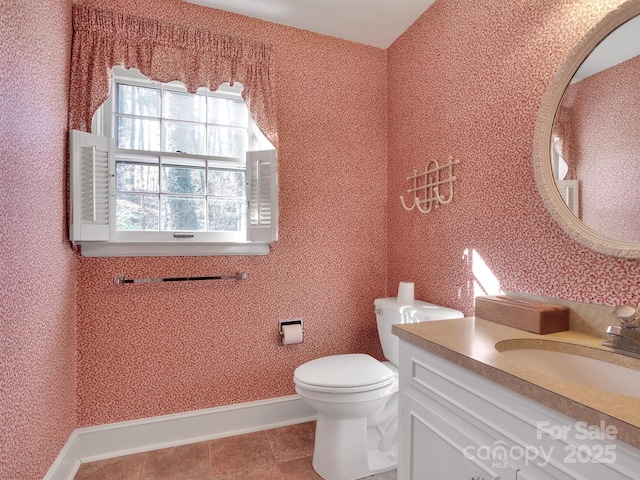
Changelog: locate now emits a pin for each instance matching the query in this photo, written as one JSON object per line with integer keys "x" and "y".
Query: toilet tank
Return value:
{"x": 390, "y": 312}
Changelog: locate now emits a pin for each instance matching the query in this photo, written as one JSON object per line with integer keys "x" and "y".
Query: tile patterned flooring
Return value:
{"x": 278, "y": 454}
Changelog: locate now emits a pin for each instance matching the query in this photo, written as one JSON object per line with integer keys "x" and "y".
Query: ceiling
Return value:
{"x": 379, "y": 22}
{"x": 372, "y": 22}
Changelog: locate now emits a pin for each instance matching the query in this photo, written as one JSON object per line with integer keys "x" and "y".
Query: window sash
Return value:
{"x": 161, "y": 121}
{"x": 158, "y": 159}
{"x": 163, "y": 194}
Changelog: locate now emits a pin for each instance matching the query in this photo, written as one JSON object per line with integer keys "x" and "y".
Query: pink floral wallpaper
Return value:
{"x": 605, "y": 130}
{"x": 37, "y": 267}
{"x": 158, "y": 349}
{"x": 465, "y": 80}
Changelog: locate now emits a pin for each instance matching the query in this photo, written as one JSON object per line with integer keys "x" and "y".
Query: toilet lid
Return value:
{"x": 343, "y": 371}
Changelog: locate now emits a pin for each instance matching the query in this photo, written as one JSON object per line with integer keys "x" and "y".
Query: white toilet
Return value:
{"x": 355, "y": 396}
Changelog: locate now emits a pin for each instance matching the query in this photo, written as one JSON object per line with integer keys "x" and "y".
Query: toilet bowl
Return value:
{"x": 355, "y": 397}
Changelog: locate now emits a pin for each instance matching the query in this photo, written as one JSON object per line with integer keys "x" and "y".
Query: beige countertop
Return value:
{"x": 471, "y": 343}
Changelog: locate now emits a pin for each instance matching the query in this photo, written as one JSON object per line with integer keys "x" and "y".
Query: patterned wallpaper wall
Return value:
{"x": 37, "y": 267}
{"x": 605, "y": 126}
{"x": 467, "y": 80}
{"x": 147, "y": 350}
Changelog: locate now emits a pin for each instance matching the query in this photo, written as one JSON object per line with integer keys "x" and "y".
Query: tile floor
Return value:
{"x": 278, "y": 454}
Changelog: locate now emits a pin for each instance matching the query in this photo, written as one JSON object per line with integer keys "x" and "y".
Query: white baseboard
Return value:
{"x": 125, "y": 438}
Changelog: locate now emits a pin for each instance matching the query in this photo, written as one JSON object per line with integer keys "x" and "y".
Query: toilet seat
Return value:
{"x": 350, "y": 373}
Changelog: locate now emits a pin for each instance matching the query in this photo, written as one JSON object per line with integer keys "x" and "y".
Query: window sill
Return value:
{"x": 126, "y": 249}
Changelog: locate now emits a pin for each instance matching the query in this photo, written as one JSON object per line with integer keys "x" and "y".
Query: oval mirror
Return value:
{"x": 587, "y": 138}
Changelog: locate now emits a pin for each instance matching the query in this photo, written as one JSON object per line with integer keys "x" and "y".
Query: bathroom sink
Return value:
{"x": 575, "y": 364}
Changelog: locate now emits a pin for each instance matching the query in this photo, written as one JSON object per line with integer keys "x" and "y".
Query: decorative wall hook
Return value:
{"x": 426, "y": 186}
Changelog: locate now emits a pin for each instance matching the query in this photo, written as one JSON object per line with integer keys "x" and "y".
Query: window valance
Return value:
{"x": 163, "y": 52}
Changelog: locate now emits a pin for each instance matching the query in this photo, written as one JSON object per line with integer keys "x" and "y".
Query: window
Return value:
{"x": 187, "y": 169}
{"x": 569, "y": 189}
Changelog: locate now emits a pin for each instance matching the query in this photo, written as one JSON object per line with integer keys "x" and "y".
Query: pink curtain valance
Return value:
{"x": 163, "y": 52}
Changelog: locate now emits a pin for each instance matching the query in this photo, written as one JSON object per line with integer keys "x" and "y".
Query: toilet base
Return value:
{"x": 342, "y": 450}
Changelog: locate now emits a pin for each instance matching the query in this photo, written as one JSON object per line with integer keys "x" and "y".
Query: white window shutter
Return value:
{"x": 92, "y": 202}
{"x": 570, "y": 194}
{"x": 262, "y": 196}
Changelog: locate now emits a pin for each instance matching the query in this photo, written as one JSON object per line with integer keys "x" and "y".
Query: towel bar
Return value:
{"x": 121, "y": 280}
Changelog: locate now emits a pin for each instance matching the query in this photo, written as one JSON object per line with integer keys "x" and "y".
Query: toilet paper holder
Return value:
{"x": 282, "y": 323}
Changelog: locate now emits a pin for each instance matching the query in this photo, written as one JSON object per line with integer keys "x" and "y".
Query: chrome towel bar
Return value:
{"x": 121, "y": 280}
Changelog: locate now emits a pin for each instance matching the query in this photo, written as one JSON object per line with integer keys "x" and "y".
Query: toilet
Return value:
{"x": 356, "y": 398}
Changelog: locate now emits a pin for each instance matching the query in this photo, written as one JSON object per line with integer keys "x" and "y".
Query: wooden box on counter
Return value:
{"x": 529, "y": 315}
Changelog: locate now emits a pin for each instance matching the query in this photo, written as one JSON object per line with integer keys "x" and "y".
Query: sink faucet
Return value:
{"x": 625, "y": 337}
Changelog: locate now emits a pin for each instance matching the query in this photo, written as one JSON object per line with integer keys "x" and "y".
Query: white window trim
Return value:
{"x": 193, "y": 249}
{"x": 261, "y": 229}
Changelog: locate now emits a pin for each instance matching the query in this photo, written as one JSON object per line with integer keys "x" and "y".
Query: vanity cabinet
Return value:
{"x": 456, "y": 424}
{"x": 440, "y": 445}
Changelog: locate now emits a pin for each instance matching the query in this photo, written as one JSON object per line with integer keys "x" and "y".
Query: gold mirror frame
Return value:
{"x": 543, "y": 131}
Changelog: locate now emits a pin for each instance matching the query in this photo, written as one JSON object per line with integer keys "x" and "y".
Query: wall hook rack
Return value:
{"x": 427, "y": 186}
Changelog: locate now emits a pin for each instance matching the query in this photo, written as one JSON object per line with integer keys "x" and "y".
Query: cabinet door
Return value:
{"x": 439, "y": 449}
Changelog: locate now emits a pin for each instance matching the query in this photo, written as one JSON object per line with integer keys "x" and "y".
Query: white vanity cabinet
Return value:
{"x": 439, "y": 446}
{"x": 457, "y": 425}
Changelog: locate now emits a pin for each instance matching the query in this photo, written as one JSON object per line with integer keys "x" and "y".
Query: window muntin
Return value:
{"x": 180, "y": 160}
{"x": 169, "y": 193}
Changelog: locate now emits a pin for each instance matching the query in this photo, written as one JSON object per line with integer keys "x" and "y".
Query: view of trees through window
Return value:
{"x": 180, "y": 163}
